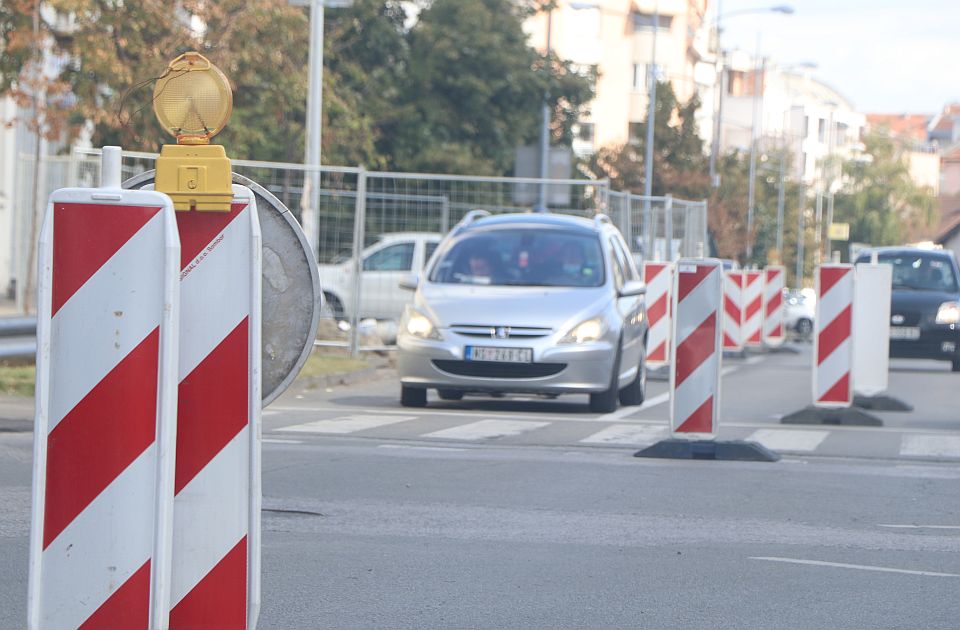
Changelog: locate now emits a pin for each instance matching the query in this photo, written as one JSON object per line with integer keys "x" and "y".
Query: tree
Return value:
{"x": 879, "y": 199}
{"x": 473, "y": 90}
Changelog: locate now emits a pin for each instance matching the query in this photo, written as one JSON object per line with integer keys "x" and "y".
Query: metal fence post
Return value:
{"x": 668, "y": 226}
{"x": 359, "y": 221}
{"x": 445, "y": 215}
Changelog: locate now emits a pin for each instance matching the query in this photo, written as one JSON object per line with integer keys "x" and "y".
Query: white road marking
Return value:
{"x": 753, "y": 360}
{"x": 346, "y": 424}
{"x": 919, "y": 526}
{"x": 486, "y": 429}
{"x": 279, "y": 441}
{"x": 931, "y": 445}
{"x": 473, "y": 413}
{"x": 408, "y": 447}
{"x": 789, "y": 439}
{"x": 659, "y": 399}
{"x": 635, "y": 434}
{"x": 843, "y": 565}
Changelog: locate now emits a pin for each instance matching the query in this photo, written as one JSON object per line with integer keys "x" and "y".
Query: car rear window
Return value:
{"x": 522, "y": 257}
{"x": 921, "y": 272}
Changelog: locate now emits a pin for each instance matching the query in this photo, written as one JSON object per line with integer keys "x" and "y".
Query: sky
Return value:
{"x": 885, "y": 56}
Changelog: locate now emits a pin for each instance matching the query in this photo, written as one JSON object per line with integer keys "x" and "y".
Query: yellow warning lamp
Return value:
{"x": 193, "y": 102}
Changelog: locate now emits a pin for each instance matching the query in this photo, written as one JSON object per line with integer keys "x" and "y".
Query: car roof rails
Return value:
{"x": 469, "y": 218}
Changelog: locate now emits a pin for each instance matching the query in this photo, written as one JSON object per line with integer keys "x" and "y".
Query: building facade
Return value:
{"x": 617, "y": 39}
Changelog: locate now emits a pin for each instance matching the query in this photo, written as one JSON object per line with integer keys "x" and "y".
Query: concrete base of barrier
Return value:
{"x": 848, "y": 416}
{"x": 658, "y": 374}
{"x": 881, "y": 403}
{"x": 729, "y": 450}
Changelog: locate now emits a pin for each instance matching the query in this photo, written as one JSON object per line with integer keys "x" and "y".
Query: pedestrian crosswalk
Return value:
{"x": 892, "y": 443}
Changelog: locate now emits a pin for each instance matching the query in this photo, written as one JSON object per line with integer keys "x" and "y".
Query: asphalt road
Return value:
{"x": 533, "y": 514}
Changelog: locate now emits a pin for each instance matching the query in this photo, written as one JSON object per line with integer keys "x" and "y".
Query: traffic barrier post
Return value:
{"x": 733, "y": 311}
{"x": 659, "y": 279}
{"x": 103, "y": 463}
{"x": 833, "y": 343}
{"x": 753, "y": 309}
{"x": 773, "y": 310}
{"x": 216, "y": 528}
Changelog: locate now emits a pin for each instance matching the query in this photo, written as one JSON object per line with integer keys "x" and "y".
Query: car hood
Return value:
{"x": 910, "y": 300}
{"x": 536, "y": 307}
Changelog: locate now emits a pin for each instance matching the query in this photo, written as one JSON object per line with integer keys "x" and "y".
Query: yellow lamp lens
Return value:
{"x": 193, "y": 100}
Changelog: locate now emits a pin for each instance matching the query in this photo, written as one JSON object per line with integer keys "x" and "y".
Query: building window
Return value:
{"x": 841, "y": 134}
{"x": 640, "y": 77}
{"x": 585, "y": 132}
{"x": 644, "y": 22}
{"x": 822, "y": 130}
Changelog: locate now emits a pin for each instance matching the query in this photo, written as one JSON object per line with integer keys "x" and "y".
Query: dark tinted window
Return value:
{"x": 397, "y": 257}
{"x": 428, "y": 252}
{"x": 522, "y": 257}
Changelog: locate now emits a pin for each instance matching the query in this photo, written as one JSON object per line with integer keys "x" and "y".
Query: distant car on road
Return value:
{"x": 798, "y": 311}
{"x": 925, "y": 307}
{"x": 384, "y": 264}
{"x": 527, "y": 303}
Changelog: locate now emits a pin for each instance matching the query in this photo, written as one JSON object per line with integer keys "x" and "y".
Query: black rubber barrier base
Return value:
{"x": 727, "y": 450}
{"x": 881, "y": 403}
{"x": 847, "y": 416}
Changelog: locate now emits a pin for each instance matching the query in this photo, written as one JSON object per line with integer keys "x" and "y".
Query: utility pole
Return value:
{"x": 545, "y": 124}
{"x": 754, "y": 139}
{"x": 801, "y": 227}
{"x": 781, "y": 194}
{"x": 718, "y": 104}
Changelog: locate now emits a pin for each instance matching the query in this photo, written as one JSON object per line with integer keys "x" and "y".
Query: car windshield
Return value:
{"x": 522, "y": 257}
{"x": 921, "y": 272}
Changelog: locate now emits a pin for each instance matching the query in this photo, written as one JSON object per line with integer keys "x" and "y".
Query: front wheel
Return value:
{"x": 606, "y": 401}
{"x": 413, "y": 396}
{"x": 956, "y": 365}
{"x": 634, "y": 393}
{"x": 804, "y": 326}
{"x": 450, "y": 394}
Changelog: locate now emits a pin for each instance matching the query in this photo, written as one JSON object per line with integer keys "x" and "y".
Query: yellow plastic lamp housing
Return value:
{"x": 193, "y": 102}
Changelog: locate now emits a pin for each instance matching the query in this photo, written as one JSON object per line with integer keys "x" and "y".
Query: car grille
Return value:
{"x": 499, "y": 332}
{"x": 495, "y": 369}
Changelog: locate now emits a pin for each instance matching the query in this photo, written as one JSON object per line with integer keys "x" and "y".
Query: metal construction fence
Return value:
{"x": 373, "y": 228}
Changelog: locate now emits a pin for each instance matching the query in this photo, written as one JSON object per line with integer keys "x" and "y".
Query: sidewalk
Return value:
{"x": 16, "y": 414}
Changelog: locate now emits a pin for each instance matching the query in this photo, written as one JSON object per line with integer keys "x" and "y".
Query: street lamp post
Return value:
{"x": 754, "y": 133}
{"x": 651, "y": 117}
{"x": 545, "y": 124}
{"x": 310, "y": 205}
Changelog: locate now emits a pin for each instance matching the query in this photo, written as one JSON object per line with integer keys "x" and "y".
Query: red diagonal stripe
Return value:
{"x": 696, "y": 348}
{"x": 85, "y": 236}
{"x": 777, "y": 332}
{"x": 752, "y": 277}
{"x": 774, "y": 303}
{"x": 728, "y": 342}
{"x": 731, "y": 309}
{"x": 753, "y": 307}
{"x": 700, "y": 421}
{"x": 833, "y": 335}
{"x": 829, "y": 276}
{"x": 657, "y": 310}
{"x": 840, "y": 392}
{"x": 687, "y": 281}
{"x": 772, "y": 274}
{"x": 219, "y": 600}
{"x": 213, "y": 404}
{"x": 197, "y": 229}
{"x": 113, "y": 424}
{"x": 651, "y": 271}
{"x": 127, "y": 607}
{"x": 659, "y": 353}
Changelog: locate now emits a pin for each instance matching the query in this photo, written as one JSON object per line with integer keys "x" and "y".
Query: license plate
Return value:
{"x": 904, "y": 332}
{"x": 499, "y": 355}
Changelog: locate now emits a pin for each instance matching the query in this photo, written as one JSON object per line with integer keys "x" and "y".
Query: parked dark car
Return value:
{"x": 925, "y": 309}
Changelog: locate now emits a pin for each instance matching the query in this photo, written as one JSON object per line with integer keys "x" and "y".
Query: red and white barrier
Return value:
{"x": 733, "y": 311}
{"x": 659, "y": 279}
{"x": 106, "y": 402}
{"x": 216, "y": 531}
{"x": 773, "y": 285}
{"x": 871, "y": 320}
{"x": 696, "y": 347}
{"x": 753, "y": 309}
{"x": 833, "y": 344}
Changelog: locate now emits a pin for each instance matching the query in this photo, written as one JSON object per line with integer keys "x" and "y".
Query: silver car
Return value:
{"x": 533, "y": 303}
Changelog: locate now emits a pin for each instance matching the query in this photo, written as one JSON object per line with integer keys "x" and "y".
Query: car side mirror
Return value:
{"x": 633, "y": 288}
{"x": 410, "y": 282}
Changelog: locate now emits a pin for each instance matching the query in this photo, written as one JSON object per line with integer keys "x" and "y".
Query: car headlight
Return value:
{"x": 949, "y": 313}
{"x": 419, "y": 325}
{"x": 586, "y": 331}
